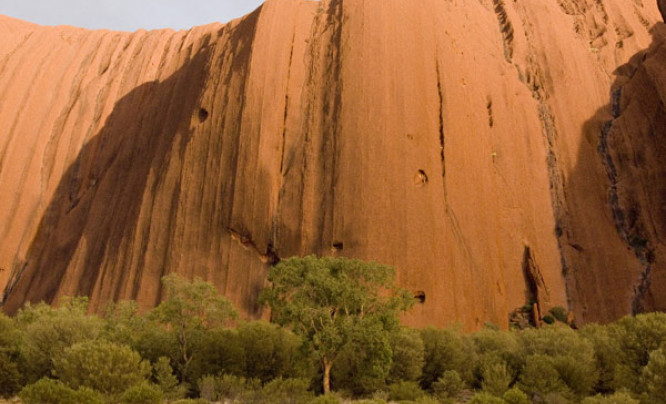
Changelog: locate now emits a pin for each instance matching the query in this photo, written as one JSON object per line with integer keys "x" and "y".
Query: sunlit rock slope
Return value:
{"x": 494, "y": 152}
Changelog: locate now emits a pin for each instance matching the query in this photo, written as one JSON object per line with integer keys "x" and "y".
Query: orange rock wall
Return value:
{"x": 459, "y": 141}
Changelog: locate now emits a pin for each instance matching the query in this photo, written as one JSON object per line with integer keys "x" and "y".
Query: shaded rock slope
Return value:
{"x": 495, "y": 152}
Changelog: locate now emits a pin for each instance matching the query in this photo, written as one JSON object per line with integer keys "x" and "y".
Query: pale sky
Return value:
{"x": 127, "y": 15}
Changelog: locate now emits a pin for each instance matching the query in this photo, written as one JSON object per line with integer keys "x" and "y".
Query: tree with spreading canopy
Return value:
{"x": 330, "y": 301}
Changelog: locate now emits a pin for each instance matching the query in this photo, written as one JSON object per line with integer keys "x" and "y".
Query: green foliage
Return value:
{"x": 636, "y": 337}
{"x": 495, "y": 375}
{"x": 325, "y": 399}
{"x": 515, "y": 396}
{"x": 617, "y": 398}
{"x": 166, "y": 380}
{"x": 485, "y": 398}
{"x": 10, "y": 379}
{"x": 288, "y": 391}
{"x": 227, "y": 387}
{"x": 560, "y": 314}
{"x": 45, "y": 333}
{"x": 363, "y": 364}
{"x": 654, "y": 377}
{"x": 49, "y": 391}
{"x": 216, "y": 351}
{"x": 102, "y": 366}
{"x": 190, "y": 308}
{"x": 405, "y": 390}
{"x": 268, "y": 351}
{"x": 562, "y": 349}
{"x": 605, "y": 353}
{"x": 329, "y": 301}
{"x": 408, "y": 355}
{"x": 445, "y": 349}
{"x": 143, "y": 393}
{"x": 540, "y": 377}
{"x": 449, "y": 386}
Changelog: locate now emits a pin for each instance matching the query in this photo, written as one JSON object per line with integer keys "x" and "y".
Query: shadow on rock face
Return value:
{"x": 621, "y": 161}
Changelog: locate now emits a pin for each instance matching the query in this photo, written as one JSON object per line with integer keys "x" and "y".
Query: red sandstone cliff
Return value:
{"x": 492, "y": 152}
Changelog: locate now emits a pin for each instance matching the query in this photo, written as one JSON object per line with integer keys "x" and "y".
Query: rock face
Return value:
{"x": 493, "y": 152}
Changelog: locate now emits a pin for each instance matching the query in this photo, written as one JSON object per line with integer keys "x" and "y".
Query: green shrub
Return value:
{"x": 540, "y": 377}
{"x": 636, "y": 338}
{"x": 166, "y": 380}
{"x": 143, "y": 393}
{"x": 515, "y": 396}
{"x": 268, "y": 351}
{"x": 408, "y": 355}
{"x": 46, "y": 332}
{"x": 192, "y": 401}
{"x": 654, "y": 377}
{"x": 495, "y": 376}
{"x": 287, "y": 391}
{"x": 102, "y": 366}
{"x": 450, "y": 385}
{"x": 49, "y": 391}
{"x": 10, "y": 379}
{"x": 405, "y": 390}
{"x": 560, "y": 314}
{"x": 325, "y": 399}
{"x": 562, "y": 349}
{"x": 227, "y": 387}
{"x": 606, "y": 357}
{"x": 485, "y": 398}
{"x": 363, "y": 364}
{"x": 216, "y": 352}
{"x": 446, "y": 349}
{"x": 616, "y": 398}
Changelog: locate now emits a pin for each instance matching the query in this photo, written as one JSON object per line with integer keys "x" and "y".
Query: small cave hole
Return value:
{"x": 338, "y": 246}
{"x": 203, "y": 114}
{"x": 420, "y": 296}
{"x": 420, "y": 178}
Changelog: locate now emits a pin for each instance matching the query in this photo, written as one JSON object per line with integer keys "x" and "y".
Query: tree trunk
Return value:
{"x": 327, "y": 375}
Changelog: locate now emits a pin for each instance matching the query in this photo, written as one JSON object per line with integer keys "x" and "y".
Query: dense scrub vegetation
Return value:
{"x": 336, "y": 326}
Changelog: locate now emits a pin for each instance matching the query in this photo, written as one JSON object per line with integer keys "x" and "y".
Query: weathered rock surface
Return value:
{"x": 492, "y": 152}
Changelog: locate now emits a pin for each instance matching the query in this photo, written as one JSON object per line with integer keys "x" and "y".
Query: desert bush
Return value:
{"x": 540, "y": 377}
{"x": 45, "y": 333}
{"x": 287, "y": 391}
{"x": 495, "y": 375}
{"x": 616, "y": 398}
{"x": 10, "y": 379}
{"x": 216, "y": 351}
{"x": 227, "y": 387}
{"x": 363, "y": 364}
{"x": 165, "y": 379}
{"x": 143, "y": 393}
{"x": 49, "y": 391}
{"x": 405, "y": 391}
{"x": 605, "y": 354}
{"x": 515, "y": 396}
{"x": 446, "y": 349}
{"x": 449, "y": 386}
{"x": 654, "y": 377}
{"x": 636, "y": 337}
{"x": 485, "y": 398}
{"x": 268, "y": 351}
{"x": 325, "y": 399}
{"x": 102, "y": 366}
{"x": 564, "y": 350}
{"x": 408, "y": 355}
